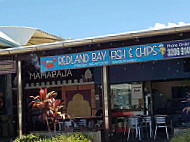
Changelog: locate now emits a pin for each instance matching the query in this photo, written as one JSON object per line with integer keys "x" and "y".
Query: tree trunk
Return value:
{"x": 48, "y": 125}
{"x": 54, "y": 124}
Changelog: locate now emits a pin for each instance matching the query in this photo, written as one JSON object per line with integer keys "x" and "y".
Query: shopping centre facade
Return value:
{"x": 135, "y": 73}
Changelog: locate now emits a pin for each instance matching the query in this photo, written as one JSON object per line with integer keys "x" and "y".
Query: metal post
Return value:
{"x": 105, "y": 103}
{"x": 19, "y": 99}
{"x": 9, "y": 103}
{"x": 151, "y": 98}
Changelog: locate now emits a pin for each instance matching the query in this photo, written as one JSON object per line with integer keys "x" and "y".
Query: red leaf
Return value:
{"x": 41, "y": 94}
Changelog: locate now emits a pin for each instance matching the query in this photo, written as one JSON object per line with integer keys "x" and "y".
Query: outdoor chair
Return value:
{"x": 98, "y": 123}
{"x": 91, "y": 124}
{"x": 146, "y": 121}
{"x": 82, "y": 123}
{"x": 160, "y": 122}
{"x": 61, "y": 125}
{"x": 133, "y": 123}
{"x": 69, "y": 125}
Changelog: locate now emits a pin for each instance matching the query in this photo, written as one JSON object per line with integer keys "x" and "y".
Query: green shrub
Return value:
{"x": 77, "y": 137}
{"x": 184, "y": 137}
{"x": 28, "y": 138}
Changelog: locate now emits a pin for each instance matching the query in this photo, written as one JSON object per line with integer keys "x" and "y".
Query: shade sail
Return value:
{"x": 11, "y": 36}
{"x": 6, "y": 40}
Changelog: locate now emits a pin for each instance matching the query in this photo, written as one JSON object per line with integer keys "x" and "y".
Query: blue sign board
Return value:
{"x": 136, "y": 53}
{"x": 157, "y": 51}
{"x": 177, "y": 49}
{"x": 79, "y": 60}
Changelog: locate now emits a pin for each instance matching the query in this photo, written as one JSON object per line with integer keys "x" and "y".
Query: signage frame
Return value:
{"x": 7, "y": 67}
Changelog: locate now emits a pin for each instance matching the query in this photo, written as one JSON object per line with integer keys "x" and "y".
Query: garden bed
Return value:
{"x": 44, "y": 136}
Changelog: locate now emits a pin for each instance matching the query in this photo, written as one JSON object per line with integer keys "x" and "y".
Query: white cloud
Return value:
{"x": 160, "y": 26}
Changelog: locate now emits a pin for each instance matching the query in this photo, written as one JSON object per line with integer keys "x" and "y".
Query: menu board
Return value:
{"x": 136, "y": 94}
{"x": 136, "y": 90}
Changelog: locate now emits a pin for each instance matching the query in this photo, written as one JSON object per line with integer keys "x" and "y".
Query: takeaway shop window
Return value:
{"x": 126, "y": 96}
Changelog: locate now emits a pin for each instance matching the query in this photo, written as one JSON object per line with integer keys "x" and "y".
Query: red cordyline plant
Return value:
{"x": 49, "y": 106}
{"x": 187, "y": 109}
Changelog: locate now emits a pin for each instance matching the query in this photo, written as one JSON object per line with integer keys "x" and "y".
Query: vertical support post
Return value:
{"x": 151, "y": 98}
{"x": 19, "y": 99}
{"x": 106, "y": 103}
{"x": 9, "y": 103}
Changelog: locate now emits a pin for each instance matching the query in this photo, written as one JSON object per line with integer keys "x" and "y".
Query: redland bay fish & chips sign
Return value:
{"x": 149, "y": 52}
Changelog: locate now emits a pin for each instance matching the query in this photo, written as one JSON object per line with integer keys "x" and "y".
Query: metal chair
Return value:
{"x": 82, "y": 123}
{"x": 91, "y": 124}
{"x": 69, "y": 125}
{"x": 160, "y": 122}
{"x": 146, "y": 122}
{"x": 98, "y": 122}
{"x": 61, "y": 125}
{"x": 133, "y": 123}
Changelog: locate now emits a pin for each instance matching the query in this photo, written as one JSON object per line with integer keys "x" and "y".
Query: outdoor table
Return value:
{"x": 90, "y": 121}
{"x": 122, "y": 116}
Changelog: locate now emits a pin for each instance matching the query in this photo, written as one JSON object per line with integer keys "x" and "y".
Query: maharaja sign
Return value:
{"x": 50, "y": 75}
{"x": 58, "y": 78}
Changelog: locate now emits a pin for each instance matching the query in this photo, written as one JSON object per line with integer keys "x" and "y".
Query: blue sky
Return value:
{"x": 88, "y": 18}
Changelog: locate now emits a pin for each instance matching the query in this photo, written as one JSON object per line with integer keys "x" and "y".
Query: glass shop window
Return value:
{"x": 127, "y": 97}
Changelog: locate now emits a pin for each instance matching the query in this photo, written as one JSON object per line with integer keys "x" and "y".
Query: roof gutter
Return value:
{"x": 93, "y": 40}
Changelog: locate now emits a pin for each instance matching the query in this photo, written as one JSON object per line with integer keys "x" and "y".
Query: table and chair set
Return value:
{"x": 145, "y": 126}
{"x": 142, "y": 126}
{"x": 80, "y": 124}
